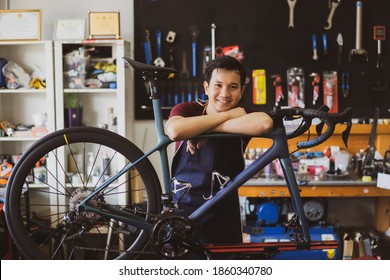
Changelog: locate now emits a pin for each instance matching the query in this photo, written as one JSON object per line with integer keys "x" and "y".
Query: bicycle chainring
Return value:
{"x": 173, "y": 236}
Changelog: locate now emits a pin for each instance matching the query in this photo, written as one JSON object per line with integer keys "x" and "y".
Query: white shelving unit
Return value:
{"x": 18, "y": 105}
{"x": 95, "y": 102}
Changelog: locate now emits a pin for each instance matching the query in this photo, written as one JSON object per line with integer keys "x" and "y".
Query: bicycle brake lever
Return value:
{"x": 346, "y": 132}
{"x": 320, "y": 126}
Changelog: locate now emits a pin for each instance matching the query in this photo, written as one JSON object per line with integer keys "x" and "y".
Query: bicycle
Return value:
{"x": 89, "y": 224}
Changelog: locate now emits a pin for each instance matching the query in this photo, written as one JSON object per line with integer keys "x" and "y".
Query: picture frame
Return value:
{"x": 70, "y": 29}
{"x": 104, "y": 25}
{"x": 17, "y": 25}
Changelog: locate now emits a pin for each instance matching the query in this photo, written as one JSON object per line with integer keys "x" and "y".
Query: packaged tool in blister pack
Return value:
{"x": 296, "y": 87}
{"x": 278, "y": 84}
{"x": 316, "y": 86}
{"x": 330, "y": 90}
{"x": 259, "y": 90}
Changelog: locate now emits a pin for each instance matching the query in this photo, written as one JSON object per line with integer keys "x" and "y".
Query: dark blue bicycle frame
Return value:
{"x": 278, "y": 150}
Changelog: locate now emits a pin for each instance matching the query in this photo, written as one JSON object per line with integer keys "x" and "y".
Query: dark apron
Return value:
{"x": 223, "y": 224}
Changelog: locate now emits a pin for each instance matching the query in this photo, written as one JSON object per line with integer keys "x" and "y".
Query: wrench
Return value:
{"x": 291, "y": 4}
{"x": 335, "y": 4}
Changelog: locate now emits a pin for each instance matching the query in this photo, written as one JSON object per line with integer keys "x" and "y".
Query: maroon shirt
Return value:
{"x": 224, "y": 155}
{"x": 194, "y": 108}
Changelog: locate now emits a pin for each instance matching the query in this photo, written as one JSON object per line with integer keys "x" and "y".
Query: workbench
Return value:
{"x": 358, "y": 139}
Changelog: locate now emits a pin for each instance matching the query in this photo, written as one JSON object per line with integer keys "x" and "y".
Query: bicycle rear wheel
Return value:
{"x": 41, "y": 202}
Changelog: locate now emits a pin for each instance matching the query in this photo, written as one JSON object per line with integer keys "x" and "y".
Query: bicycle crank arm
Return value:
{"x": 268, "y": 247}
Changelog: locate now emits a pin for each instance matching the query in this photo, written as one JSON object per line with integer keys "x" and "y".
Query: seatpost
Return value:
{"x": 151, "y": 84}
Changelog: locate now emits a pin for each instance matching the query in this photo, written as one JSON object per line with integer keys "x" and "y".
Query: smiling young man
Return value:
{"x": 195, "y": 161}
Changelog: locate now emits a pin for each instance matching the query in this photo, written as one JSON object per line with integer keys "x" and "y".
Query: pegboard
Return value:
{"x": 260, "y": 29}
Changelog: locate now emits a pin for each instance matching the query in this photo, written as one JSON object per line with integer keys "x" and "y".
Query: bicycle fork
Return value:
{"x": 304, "y": 242}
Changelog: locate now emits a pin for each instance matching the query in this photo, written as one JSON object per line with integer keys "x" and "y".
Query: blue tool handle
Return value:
{"x": 194, "y": 59}
{"x": 158, "y": 39}
{"x": 189, "y": 96}
{"x": 177, "y": 98}
{"x": 325, "y": 42}
{"x": 147, "y": 53}
{"x": 314, "y": 39}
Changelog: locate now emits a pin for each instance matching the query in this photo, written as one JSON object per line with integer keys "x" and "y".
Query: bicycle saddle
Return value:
{"x": 148, "y": 70}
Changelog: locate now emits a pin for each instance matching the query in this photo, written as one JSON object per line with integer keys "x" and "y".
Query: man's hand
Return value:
{"x": 192, "y": 145}
{"x": 236, "y": 112}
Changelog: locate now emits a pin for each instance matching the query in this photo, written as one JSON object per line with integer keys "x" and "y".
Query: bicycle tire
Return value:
{"x": 70, "y": 240}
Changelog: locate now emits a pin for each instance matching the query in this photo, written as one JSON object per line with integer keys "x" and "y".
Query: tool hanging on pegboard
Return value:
{"x": 147, "y": 48}
{"x": 334, "y": 5}
{"x": 340, "y": 44}
{"x": 291, "y": 5}
{"x": 159, "y": 61}
{"x": 345, "y": 84}
{"x": 170, "y": 40}
{"x": 331, "y": 91}
{"x": 358, "y": 50}
{"x": 213, "y": 27}
{"x": 278, "y": 84}
{"x": 378, "y": 85}
{"x": 296, "y": 87}
{"x": 259, "y": 89}
{"x": 194, "y": 31}
{"x": 379, "y": 36}
{"x": 316, "y": 86}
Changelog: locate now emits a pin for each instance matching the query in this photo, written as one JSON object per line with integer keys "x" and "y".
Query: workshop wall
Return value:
{"x": 260, "y": 29}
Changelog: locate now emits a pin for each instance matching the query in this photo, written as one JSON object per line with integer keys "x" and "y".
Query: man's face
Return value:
{"x": 224, "y": 90}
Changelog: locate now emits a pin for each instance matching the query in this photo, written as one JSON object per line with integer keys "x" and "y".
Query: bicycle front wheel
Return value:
{"x": 59, "y": 171}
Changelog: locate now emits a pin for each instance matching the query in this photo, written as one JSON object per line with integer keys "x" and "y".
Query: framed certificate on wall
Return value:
{"x": 104, "y": 25}
{"x": 20, "y": 25}
{"x": 69, "y": 29}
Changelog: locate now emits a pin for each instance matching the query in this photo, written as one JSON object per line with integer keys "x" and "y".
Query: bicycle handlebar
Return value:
{"x": 330, "y": 119}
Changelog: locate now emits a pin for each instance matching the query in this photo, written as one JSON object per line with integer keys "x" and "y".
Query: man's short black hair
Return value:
{"x": 227, "y": 63}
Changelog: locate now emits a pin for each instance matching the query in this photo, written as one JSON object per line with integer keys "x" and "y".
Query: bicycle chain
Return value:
{"x": 152, "y": 216}
{"x": 115, "y": 251}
